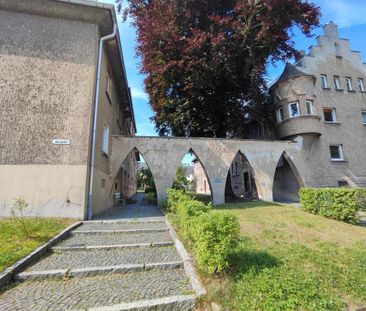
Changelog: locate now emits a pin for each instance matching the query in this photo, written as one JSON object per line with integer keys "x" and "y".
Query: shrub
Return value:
{"x": 335, "y": 203}
{"x": 214, "y": 237}
{"x": 175, "y": 197}
{"x": 17, "y": 213}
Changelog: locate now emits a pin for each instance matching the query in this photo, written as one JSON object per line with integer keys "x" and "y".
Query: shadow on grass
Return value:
{"x": 244, "y": 260}
{"x": 245, "y": 205}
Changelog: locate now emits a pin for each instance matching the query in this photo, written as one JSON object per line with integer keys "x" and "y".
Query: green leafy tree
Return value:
{"x": 145, "y": 180}
{"x": 181, "y": 181}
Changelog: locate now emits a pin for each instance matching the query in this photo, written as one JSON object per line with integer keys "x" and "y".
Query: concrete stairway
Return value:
{"x": 106, "y": 265}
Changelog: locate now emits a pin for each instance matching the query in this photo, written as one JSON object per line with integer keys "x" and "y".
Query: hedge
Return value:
{"x": 212, "y": 236}
{"x": 335, "y": 203}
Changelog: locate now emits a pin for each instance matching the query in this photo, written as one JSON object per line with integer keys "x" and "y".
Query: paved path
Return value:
{"x": 127, "y": 261}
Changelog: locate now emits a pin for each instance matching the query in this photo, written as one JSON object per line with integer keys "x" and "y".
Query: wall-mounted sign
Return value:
{"x": 61, "y": 142}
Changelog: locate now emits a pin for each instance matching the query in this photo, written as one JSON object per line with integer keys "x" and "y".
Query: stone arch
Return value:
{"x": 287, "y": 180}
{"x": 241, "y": 180}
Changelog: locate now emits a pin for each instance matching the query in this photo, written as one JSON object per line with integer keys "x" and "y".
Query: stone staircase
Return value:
{"x": 106, "y": 265}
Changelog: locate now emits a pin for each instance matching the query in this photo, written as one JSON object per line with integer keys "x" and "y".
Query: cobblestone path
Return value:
{"x": 156, "y": 280}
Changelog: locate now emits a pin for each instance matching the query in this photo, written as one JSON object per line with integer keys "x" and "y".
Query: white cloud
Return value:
{"x": 139, "y": 94}
{"x": 344, "y": 13}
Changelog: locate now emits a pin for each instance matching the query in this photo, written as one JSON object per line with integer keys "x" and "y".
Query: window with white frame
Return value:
{"x": 309, "y": 107}
{"x": 336, "y": 152}
{"x": 293, "y": 109}
{"x": 349, "y": 84}
{"x": 361, "y": 86}
{"x": 330, "y": 115}
{"x": 280, "y": 115}
{"x": 324, "y": 81}
{"x": 363, "y": 117}
{"x": 337, "y": 83}
{"x": 105, "y": 140}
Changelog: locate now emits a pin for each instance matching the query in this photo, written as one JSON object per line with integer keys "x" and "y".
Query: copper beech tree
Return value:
{"x": 205, "y": 60}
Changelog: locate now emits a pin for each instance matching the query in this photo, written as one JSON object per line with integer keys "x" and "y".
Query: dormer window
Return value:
{"x": 349, "y": 84}
{"x": 337, "y": 83}
{"x": 324, "y": 81}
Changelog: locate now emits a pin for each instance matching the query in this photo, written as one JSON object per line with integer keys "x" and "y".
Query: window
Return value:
{"x": 349, "y": 84}
{"x": 343, "y": 184}
{"x": 330, "y": 115}
{"x": 324, "y": 81}
{"x": 236, "y": 169}
{"x": 336, "y": 152}
{"x": 294, "y": 110}
{"x": 108, "y": 88}
{"x": 337, "y": 83}
{"x": 337, "y": 50}
{"x": 103, "y": 183}
{"x": 280, "y": 115}
{"x": 361, "y": 86}
{"x": 105, "y": 141}
{"x": 363, "y": 117}
{"x": 309, "y": 107}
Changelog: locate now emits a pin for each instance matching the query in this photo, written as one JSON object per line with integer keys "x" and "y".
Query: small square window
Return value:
{"x": 343, "y": 184}
{"x": 294, "y": 110}
{"x": 330, "y": 115}
{"x": 280, "y": 115}
{"x": 324, "y": 81}
{"x": 363, "y": 117}
{"x": 309, "y": 107}
{"x": 336, "y": 152}
{"x": 361, "y": 86}
{"x": 349, "y": 84}
{"x": 337, "y": 83}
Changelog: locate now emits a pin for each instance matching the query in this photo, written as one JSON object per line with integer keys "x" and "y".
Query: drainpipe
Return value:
{"x": 95, "y": 119}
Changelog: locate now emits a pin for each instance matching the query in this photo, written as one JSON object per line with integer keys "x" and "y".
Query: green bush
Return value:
{"x": 335, "y": 203}
{"x": 175, "y": 197}
{"x": 214, "y": 237}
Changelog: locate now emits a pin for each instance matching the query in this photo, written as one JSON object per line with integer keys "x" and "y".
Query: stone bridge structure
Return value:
{"x": 164, "y": 155}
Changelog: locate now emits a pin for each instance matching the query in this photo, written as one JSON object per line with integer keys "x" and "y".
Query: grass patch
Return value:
{"x": 16, "y": 245}
{"x": 288, "y": 259}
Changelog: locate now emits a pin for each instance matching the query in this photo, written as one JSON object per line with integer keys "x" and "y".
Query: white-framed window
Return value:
{"x": 105, "y": 140}
{"x": 337, "y": 83}
{"x": 336, "y": 152}
{"x": 280, "y": 115}
{"x": 363, "y": 113}
{"x": 361, "y": 86}
{"x": 293, "y": 110}
{"x": 330, "y": 115}
{"x": 309, "y": 107}
{"x": 349, "y": 84}
{"x": 324, "y": 81}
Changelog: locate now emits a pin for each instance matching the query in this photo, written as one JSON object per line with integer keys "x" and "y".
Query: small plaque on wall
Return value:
{"x": 61, "y": 142}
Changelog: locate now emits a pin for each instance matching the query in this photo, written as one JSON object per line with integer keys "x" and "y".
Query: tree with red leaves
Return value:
{"x": 206, "y": 60}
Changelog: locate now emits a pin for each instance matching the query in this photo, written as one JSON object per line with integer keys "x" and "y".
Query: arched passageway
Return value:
{"x": 287, "y": 182}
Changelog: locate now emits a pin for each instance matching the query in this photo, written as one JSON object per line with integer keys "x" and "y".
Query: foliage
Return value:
{"x": 206, "y": 61}
{"x": 335, "y": 203}
{"x": 17, "y": 213}
{"x": 214, "y": 236}
{"x": 181, "y": 181}
{"x": 15, "y": 244}
{"x": 145, "y": 180}
{"x": 288, "y": 259}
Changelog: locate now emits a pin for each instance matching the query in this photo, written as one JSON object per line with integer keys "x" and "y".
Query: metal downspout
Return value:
{"x": 95, "y": 119}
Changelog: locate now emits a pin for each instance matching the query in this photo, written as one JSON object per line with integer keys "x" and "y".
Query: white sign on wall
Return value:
{"x": 61, "y": 142}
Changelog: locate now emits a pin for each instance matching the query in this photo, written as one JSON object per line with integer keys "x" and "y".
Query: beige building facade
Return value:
{"x": 50, "y": 86}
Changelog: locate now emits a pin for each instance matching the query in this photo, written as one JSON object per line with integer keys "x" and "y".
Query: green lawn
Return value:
{"x": 14, "y": 244}
{"x": 291, "y": 260}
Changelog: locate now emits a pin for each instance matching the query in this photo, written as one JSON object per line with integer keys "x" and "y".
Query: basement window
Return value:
{"x": 343, "y": 184}
{"x": 336, "y": 152}
{"x": 330, "y": 115}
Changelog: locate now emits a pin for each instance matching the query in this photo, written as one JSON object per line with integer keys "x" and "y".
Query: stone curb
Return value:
{"x": 188, "y": 262}
{"x": 78, "y": 248}
{"x": 124, "y": 221}
{"x": 119, "y": 231}
{"x": 182, "y": 303}
{"x": 103, "y": 270}
{"x": 10, "y": 272}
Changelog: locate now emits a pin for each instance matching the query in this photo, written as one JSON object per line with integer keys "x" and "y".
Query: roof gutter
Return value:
{"x": 95, "y": 119}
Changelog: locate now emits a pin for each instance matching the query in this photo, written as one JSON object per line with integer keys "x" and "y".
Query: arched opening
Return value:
{"x": 192, "y": 178}
{"x": 240, "y": 181}
{"x": 286, "y": 184}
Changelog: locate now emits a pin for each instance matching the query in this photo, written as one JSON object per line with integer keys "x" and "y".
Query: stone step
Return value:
{"x": 106, "y": 292}
{"x": 122, "y": 226}
{"x": 101, "y": 239}
{"x": 70, "y": 260}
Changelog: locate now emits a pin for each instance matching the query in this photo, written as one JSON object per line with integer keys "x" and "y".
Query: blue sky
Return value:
{"x": 349, "y": 15}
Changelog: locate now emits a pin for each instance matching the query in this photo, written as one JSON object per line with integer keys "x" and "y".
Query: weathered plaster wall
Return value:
{"x": 47, "y": 82}
{"x": 164, "y": 155}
